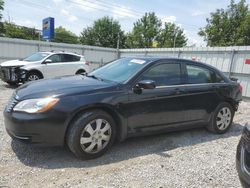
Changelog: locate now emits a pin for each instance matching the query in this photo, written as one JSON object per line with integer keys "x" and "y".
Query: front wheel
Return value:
{"x": 32, "y": 76}
{"x": 91, "y": 134}
{"x": 221, "y": 119}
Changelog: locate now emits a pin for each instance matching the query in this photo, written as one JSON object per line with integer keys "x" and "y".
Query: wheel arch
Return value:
{"x": 121, "y": 128}
{"x": 80, "y": 70}
{"x": 232, "y": 103}
{"x": 36, "y": 71}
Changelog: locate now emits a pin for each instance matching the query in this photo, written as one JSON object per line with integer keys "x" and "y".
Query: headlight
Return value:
{"x": 35, "y": 105}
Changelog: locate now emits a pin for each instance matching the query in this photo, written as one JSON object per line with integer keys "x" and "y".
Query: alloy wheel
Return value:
{"x": 33, "y": 77}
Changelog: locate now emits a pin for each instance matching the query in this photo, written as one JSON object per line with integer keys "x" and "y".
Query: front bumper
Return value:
{"x": 47, "y": 129}
{"x": 243, "y": 157}
{"x": 12, "y": 74}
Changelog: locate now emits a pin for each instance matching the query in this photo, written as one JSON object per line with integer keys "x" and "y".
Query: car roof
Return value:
{"x": 156, "y": 58}
{"x": 60, "y": 52}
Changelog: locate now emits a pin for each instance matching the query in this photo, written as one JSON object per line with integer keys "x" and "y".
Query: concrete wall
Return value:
{"x": 230, "y": 60}
{"x": 18, "y": 48}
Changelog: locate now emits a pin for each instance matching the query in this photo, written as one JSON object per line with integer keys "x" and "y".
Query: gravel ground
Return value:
{"x": 194, "y": 158}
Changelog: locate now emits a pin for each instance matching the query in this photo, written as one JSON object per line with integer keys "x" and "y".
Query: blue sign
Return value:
{"x": 48, "y": 28}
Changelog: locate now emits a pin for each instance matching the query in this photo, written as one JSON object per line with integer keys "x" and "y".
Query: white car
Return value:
{"x": 43, "y": 65}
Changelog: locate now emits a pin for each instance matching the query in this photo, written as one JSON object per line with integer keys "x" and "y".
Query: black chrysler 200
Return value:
{"x": 127, "y": 97}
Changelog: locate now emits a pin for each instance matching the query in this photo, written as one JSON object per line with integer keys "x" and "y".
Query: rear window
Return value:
{"x": 70, "y": 58}
{"x": 200, "y": 75}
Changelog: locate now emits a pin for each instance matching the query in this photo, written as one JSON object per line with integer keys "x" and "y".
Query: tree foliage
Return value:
{"x": 148, "y": 30}
{"x": 13, "y": 31}
{"x": 1, "y": 8}
{"x": 227, "y": 27}
{"x": 171, "y": 36}
{"x": 104, "y": 32}
{"x": 64, "y": 36}
{"x": 145, "y": 32}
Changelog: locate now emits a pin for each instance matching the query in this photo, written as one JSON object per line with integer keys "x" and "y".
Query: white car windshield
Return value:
{"x": 120, "y": 70}
{"x": 36, "y": 57}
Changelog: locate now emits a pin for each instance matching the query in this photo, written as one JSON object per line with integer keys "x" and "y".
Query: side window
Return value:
{"x": 70, "y": 58}
{"x": 164, "y": 74}
{"x": 55, "y": 58}
{"x": 200, "y": 75}
{"x": 76, "y": 58}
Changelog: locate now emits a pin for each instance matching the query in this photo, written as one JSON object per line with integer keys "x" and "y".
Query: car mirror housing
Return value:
{"x": 47, "y": 61}
{"x": 146, "y": 84}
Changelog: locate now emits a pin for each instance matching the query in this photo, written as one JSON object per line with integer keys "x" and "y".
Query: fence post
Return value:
{"x": 38, "y": 46}
{"x": 231, "y": 62}
{"x": 83, "y": 51}
{"x": 118, "y": 53}
{"x": 179, "y": 53}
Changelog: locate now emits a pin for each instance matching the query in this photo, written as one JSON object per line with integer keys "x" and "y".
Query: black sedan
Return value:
{"x": 243, "y": 157}
{"x": 125, "y": 98}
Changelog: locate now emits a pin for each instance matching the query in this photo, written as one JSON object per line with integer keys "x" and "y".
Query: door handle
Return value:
{"x": 179, "y": 91}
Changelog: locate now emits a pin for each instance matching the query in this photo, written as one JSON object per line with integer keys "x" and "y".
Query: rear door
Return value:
{"x": 201, "y": 97}
{"x": 159, "y": 108}
{"x": 70, "y": 64}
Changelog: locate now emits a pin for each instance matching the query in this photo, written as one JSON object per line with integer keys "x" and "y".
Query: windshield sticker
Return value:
{"x": 139, "y": 61}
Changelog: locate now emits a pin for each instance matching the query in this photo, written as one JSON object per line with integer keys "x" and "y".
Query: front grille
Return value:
{"x": 9, "y": 73}
{"x": 12, "y": 102}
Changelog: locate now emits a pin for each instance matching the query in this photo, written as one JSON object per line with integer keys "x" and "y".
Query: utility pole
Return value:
{"x": 118, "y": 45}
{"x": 175, "y": 36}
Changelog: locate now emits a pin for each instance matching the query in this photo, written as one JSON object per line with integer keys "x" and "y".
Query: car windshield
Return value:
{"x": 120, "y": 70}
{"x": 36, "y": 57}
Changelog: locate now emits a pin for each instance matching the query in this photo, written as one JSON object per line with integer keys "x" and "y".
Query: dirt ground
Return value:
{"x": 194, "y": 158}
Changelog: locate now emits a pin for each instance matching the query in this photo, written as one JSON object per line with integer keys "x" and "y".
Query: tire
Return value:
{"x": 221, "y": 119}
{"x": 32, "y": 76}
{"x": 85, "y": 145}
{"x": 80, "y": 72}
{"x": 13, "y": 84}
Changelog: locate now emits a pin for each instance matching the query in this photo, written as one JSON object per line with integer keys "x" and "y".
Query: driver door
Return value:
{"x": 159, "y": 108}
{"x": 54, "y": 68}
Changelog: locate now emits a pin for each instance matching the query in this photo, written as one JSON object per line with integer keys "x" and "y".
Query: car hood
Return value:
{"x": 14, "y": 63}
{"x": 62, "y": 86}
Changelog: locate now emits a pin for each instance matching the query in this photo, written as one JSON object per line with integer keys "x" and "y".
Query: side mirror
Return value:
{"x": 47, "y": 61}
{"x": 144, "y": 84}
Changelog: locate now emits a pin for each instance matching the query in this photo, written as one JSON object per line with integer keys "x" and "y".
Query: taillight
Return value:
{"x": 87, "y": 63}
{"x": 240, "y": 88}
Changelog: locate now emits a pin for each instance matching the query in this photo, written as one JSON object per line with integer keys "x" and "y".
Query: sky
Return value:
{"x": 75, "y": 15}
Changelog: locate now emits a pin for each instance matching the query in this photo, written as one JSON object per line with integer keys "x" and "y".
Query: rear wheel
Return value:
{"x": 221, "y": 119}
{"x": 91, "y": 134}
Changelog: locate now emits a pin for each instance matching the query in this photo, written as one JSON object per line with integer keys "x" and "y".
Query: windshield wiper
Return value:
{"x": 93, "y": 76}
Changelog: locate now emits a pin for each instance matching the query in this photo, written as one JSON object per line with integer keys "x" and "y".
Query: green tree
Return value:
{"x": 104, "y": 32}
{"x": 148, "y": 32}
{"x": 171, "y": 36}
{"x": 1, "y": 8}
{"x": 227, "y": 27}
{"x": 64, "y": 36}
{"x": 1, "y": 24}
{"x": 145, "y": 31}
{"x": 13, "y": 31}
